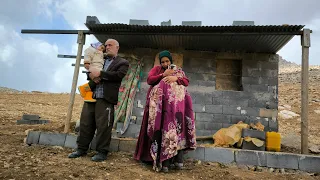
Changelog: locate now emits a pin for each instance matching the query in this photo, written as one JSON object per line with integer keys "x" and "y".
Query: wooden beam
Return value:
{"x": 68, "y": 56}
{"x": 81, "y": 41}
{"x": 305, "y": 43}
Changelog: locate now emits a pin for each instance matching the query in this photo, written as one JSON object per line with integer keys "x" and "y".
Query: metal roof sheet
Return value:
{"x": 264, "y": 39}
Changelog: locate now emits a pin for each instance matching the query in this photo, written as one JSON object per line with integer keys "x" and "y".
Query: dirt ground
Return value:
{"x": 19, "y": 161}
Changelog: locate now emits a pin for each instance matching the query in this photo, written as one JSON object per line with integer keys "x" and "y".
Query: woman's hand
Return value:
{"x": 168, "y": 72}
{"x": 170, "y": 79}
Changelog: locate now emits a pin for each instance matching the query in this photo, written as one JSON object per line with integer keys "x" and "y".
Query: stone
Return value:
{"x": 254, "y": 134}
{"x": 30, "y": 117}
{"x": 251, "y": 146}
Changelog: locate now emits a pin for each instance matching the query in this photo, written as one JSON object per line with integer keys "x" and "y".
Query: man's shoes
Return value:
{"x": 99, "y": 157}
{"x": 77, "y": 154}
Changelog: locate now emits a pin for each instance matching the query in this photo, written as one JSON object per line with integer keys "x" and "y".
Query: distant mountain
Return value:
{"x": 285, "y": 63}
{"x": 8, "y": 90}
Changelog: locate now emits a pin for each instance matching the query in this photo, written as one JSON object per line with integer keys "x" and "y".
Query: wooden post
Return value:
{"x": 305, "y": 43}
{"x": 81, "y": 41}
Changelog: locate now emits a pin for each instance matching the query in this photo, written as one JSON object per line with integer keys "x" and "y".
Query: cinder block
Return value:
{"x": 204, "y": 117}
{"x": 93, "y": 144}
{"x": 53, "y": 139}
{"x": 221, "y": 118}
{"x": 127, "y": 145}
{"x": 236, "y": 95}
{"x": 269, "y": 65}
{"x": 203, "y": 132}
{"x": 199, "y": 108}
{"x": 215, "y": 109}
{"x": 235, "y": 119}
{"x": 202, "y": 98}
{"x": 256, "y": 103}
{"x": 273, "y": 81}
{"x": 273, "y": 125}
{"x": 33, "y": 137}
{"x": 213, "y": 126}
{"x": 196, "y": 154}
{"x": 249, "y": 111}
{"x": 255, "y": 88}
{"x": 71, "y": 141}
{"x": 251, "y": 146}
{"x": 137, "y": 111}
{"x": 132, "y": 131}
{"x": 31, "y": 122}
{"x": 114, "y": 145}
{"x": 217, "y": 94}
{"x": 254, "y": 134}
{"x": 139, "y": 120}
{"x": 268, "y": 113}
{"x": 282, "y": 160}
{"x": 226, "y": 125}
{"x": 200, "y": 125}
{"x": 270, "y": 73}
{"x": 232, "y": 110}
{"x": 221, "y": 155}
{"x": 309, "y": 163}
{"x": 253, "y": 158}
{"x": 30, "y": 117}
{"x": 207, "y": 83}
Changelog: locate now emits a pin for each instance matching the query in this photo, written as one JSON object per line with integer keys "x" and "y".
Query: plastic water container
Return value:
{"x": 273, "y": 141}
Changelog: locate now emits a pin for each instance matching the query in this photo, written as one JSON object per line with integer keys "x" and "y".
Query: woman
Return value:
{"x": 167, "y": 128}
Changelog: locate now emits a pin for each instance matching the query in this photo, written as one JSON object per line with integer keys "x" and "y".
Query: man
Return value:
{"x": 100, "y": 115}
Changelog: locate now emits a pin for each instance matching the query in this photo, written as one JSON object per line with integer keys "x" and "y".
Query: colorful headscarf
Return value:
{"x": 96, "y": 45}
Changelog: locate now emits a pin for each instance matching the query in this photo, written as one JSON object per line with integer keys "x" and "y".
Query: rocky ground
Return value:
{"x": 18, "y": 161}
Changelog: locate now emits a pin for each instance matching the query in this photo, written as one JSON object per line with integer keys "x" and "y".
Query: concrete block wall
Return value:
{"x": 215, "y": 109}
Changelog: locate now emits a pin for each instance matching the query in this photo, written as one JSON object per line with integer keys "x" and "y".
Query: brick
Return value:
{"x": 309, "y": 163}
{"x": 199, "y": 108}
{"x": 251, "y": 146}
{"x": 282, "y": 160}
{"x": 220, "y": 155}
{"x": 254, "y": 134}
{"x": 253, "y": 158}
{"x": 30, "y": 117}
{"x": 33, "y": 137}
{"x": 196, "y": 154}
{"x": 268, "y": 113}
{"x": 204, "y": 117}
{"x": 127, "y": 145}
{"x": 213, "y": 126}
{"x": 221, "y": 118}
{"x": 273, "y": 125}
{"x": 53, "y": 139}
{"x": 232, "y": 110}
{"x": 71, "y": 141}
{"x": 217, "y": 109}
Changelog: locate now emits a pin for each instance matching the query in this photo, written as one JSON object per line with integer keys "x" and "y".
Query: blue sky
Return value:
{"x": 29, "y": 62}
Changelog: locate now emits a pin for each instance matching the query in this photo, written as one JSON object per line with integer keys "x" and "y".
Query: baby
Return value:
{"x": 93, "y": 57}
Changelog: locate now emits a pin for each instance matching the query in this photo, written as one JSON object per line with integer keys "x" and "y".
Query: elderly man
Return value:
{"x": 100, "y": 115}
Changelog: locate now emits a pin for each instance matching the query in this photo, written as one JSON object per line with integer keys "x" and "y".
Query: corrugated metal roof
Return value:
{"x": 266, "y": 39}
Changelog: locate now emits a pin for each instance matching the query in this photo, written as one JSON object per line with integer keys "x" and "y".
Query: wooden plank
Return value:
{"x": 80, "y": 41}
{"x": 305, "y": 43}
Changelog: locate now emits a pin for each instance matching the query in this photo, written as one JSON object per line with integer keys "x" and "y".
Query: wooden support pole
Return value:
{"x": 305, "y": 43}
{"x": 81, "y": 41}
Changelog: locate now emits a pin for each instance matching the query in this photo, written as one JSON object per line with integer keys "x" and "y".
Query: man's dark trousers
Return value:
{"x": 100, "y": 116}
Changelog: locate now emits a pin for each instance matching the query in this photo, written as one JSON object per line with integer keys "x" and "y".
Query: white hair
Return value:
{"x": 117, "y": 43}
